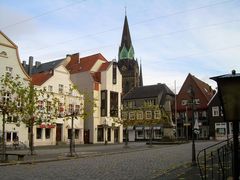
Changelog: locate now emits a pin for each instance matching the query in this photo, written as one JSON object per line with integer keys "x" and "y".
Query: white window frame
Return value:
{"x": 60, "y": 88}
{"x": 9, "y": 70}
{"x": 50, "y": 88}
{"x": 124, "y": 115}
{"x": 148, "y": 114}
{"x": 184, "y": 102}
{"x": 215, "y": 111}
{"x": 139, "y": 115}
{"x": 157, "y": 114}
{"x": 131, "y": 115}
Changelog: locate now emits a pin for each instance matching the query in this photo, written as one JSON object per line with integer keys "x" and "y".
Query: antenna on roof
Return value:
{"x": 125, "y": 7}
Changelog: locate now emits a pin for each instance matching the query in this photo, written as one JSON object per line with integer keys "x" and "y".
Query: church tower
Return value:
{"x": 128, "y": 65}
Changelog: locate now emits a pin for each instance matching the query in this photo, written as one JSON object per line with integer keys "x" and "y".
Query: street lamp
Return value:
{"x": 229, "y": 91}
{"x": 72, "y": 147}
{"x": 192, "y": 95}
{"x": 105, "y": 130}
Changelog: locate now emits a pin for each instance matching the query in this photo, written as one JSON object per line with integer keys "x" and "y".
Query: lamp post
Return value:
{"x": 192, "y": 95}
{"x": 72, "y": 150}
{"x": 105, "y": 130}
{"x": 229, "y": 91}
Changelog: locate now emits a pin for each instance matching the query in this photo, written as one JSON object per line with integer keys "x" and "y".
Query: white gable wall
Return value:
{"x": 9, "y": 58}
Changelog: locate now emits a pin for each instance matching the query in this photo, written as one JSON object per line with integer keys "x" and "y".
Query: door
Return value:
{"x": 59, "y": 133}
{"x": 86, "y": 136}
{"x": 116, "y": 132}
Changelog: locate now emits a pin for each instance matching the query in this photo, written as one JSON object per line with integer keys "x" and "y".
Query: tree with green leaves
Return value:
{"x": 10, "y": 89}
{"x": 21, "y": 99}
{"x": 163, "y": 118}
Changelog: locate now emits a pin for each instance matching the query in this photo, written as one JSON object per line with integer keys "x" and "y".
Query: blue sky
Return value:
{"x": 170, "y": 37}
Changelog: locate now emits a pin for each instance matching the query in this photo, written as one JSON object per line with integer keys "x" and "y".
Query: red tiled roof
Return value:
{"x": 96, "y": 76}
{"x": 204, "y": 87}
{"x": 202, "y": 91}
{"x": 83, "y": 64}
{"x": 104, "y": 66}
{"x": 40, "y": 78}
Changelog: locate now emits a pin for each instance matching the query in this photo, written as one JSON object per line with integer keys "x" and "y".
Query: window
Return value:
{"x": 114, "y": 104}
{"x": 49, "y": 106}
{"x": 184, "y": 102}
{"x": 157, "y": 114}
{"x": 70, "y": 108}
{"x": 12, "y": 119}
{"x": 204, "y": 114}
{"x": 77, "y": 131}
{"x": 60, "y": 107}
{"x": 15, "y": 119}
{"x": 131, "y": 115}
{"x": 104, "y": 103}
{"x": 39, "y": 133}
{"x": 9, "y": 70}
{"x": 140, "y": 133}
{"x": 124, "y": 115}
{"x": 157, "y": 133}
{"x": 147, "y": 134}
{"x": 148, "y": 114}
{"x": 150, "y": 102}
{"x": 215, "y": 111}
{"x": 100, "y": 134}
{"x": 109, "y": 134}
{"x": 50, "y": 88}
{"x": 196, "y": 115}
{"x": 9, "y": 134}
{"x": 130, "y": 104}
{"x": 139, "y": 115}
{"x": 60, "y": 88}
{"x": 77, "y": 109}
{"x": 40, "y": 105}
{"x": 196, "y": 101}
{"x": 47, "y": 133}
{"x": 15, "y": 137}
{"x": 69, "y": 133}
{"x": 6, "y": 97}
{"x": 9, "y": 119}
{"x": 114, "y": 75}
{"x": 70, "y": 89}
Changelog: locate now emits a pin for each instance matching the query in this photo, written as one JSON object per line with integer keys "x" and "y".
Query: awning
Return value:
{"x": 157, "y": 127}
{"x": 46, "y": 126}
{"x": 129, "y": 128}
{"x": 139, "y": 128}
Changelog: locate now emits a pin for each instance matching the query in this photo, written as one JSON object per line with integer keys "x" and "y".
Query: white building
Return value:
{"x": 57, "y": 81}
{"x": 101, "y": 82}
{"x": 10, "y": 63}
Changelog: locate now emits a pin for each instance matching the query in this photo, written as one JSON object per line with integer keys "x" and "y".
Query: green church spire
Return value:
{"x": 126, "y": 50}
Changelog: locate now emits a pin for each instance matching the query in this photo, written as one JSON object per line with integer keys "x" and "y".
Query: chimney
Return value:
{"x": 30, "y": 65}
{"x": 37, "y": 64}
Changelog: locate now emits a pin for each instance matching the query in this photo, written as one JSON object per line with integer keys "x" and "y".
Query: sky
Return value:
{"x": 171, "y": 38}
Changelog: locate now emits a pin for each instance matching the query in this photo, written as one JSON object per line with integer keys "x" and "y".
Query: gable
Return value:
{"x": 4, "y": 40}
{"x": 9, "y": 57}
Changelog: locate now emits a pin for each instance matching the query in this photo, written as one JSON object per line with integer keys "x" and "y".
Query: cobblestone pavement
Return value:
{"x": 136, "y": 162}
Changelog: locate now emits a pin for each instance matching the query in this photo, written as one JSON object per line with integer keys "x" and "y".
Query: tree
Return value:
{"x": 150, "y": 121}
{"x": 10, "y": 89}
{"x": 22, "y": 100}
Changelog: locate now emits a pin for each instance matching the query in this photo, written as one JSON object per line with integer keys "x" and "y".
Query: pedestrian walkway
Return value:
{"x": 186, "y": 172}
{"x": 62, "y": 152}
